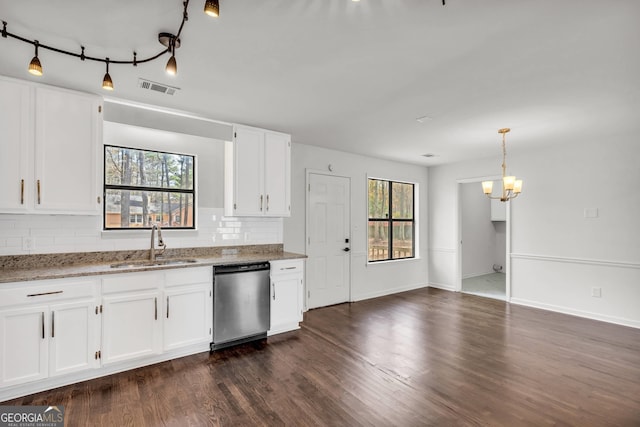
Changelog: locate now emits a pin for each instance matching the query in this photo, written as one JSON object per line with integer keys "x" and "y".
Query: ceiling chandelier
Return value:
{"x": 511, "y": 187}
{"x": 170, "y": 41}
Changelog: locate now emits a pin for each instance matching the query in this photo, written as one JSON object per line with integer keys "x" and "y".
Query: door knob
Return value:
{"x": 346, "y": 249}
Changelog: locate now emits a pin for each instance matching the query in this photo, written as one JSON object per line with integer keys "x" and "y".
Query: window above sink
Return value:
{"x": 143, "y": 188}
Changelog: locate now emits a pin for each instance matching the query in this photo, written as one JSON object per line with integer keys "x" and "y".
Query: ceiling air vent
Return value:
{"x": 157, "y": 87}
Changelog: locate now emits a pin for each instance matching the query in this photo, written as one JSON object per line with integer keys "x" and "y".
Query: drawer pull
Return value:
{"x": 45, "y": 293}
{"x": 288, "y": 268}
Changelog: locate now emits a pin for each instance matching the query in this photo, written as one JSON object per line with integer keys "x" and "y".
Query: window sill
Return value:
{"x": 389, "y": 261}
{"x": 132, "y": 233}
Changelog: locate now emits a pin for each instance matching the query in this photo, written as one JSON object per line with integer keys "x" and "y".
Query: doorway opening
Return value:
{"x": 483, "y": 266}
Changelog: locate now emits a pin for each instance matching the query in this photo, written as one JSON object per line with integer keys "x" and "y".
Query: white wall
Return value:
{"x": 372, "y": 280}
{"x": 557, "y": 254}
{"x": 63, "y": 233}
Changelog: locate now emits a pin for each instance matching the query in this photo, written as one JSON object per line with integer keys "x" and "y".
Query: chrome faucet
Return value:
{"x": 161, "y": 244}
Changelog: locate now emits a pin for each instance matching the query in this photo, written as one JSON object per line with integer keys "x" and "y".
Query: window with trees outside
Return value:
{"x": 143, "y": 188}
{"x": 391, "y": 229}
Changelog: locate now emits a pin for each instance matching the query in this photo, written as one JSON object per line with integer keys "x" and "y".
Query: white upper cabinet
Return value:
{"x": 49, "y": 148}
{"x": 16, "y": 134}
{"x": 68, "y": 129}
{"x": 248, "y": 177}
{"x": 498, "y": 210}
{"x": 257, "y": 173}
{"x": 277, "y": 180}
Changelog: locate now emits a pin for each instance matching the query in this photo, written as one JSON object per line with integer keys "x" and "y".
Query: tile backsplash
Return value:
{"x": 39, "y": 234}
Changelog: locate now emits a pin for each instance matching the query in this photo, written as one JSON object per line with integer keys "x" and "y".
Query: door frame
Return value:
{"x": 507, "y": 261}
{"x": 308, "y": 173}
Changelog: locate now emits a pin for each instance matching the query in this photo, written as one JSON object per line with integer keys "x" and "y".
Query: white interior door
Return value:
{"x": 328, "y": 244}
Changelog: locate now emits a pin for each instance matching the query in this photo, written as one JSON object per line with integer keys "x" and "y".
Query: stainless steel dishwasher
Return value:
{"x": 241, "y": 306}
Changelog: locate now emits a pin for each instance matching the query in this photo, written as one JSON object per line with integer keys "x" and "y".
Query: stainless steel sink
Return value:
{"x": 157, "y": 262}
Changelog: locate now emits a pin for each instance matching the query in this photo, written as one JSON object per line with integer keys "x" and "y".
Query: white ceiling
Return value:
{"x": 354, "y": 76}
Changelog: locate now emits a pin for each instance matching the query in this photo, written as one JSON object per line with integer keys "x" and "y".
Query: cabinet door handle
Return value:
{"x": 261, "y": 198}
{"x": 53, "y": 324}
{"x": 273, "y": 286}
{"x": 42, "y": 321}
{"x": 44, "y": 293}
{"x": 267, "y": 203}
{"x": 38, "y": 185}
{"x": 167, "y": 307}
{"x": 22, "y": 191}
{"x": 155, "y": 302}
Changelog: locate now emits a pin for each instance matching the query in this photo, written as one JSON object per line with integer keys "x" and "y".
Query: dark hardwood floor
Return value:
{"x": 419, "y": 358}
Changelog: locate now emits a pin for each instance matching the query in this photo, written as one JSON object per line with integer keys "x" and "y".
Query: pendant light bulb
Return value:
{"x": 212, "y": 8}
{"x": 172, "y": 66}
{"x": 35, "y": 67}
{"x": 107, "y": 83}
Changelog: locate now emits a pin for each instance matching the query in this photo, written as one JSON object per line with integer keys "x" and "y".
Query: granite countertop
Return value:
{"x": 20, "y": 268}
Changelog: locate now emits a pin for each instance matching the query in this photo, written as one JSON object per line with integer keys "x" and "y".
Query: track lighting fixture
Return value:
{"x": 170, "y": 41}
{"x": 212, "y": 8}
{"x": 107, "y": 83}
{"x": 35, "y": 67}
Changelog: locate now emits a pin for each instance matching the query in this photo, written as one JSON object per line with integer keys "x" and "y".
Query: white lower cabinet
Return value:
{"x": 188, "y": 316}
{"x": 130, "y": 326}
{"x": 287, "y": 280}
{"x": 75, "y": 337}
{"x": 24, "y": 348}
{"x": 148, "y": 313}
{"x": 53, "y": 332}
{"x": 48, "y": 328}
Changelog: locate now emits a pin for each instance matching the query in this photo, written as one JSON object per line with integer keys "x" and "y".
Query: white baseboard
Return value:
{"x": 579, "y": 313}
{"x": 469, "y": 276}
{"x": 564, "y": 310}
{"x": 443, "y": 286}
{"x": 388, "y": 292}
